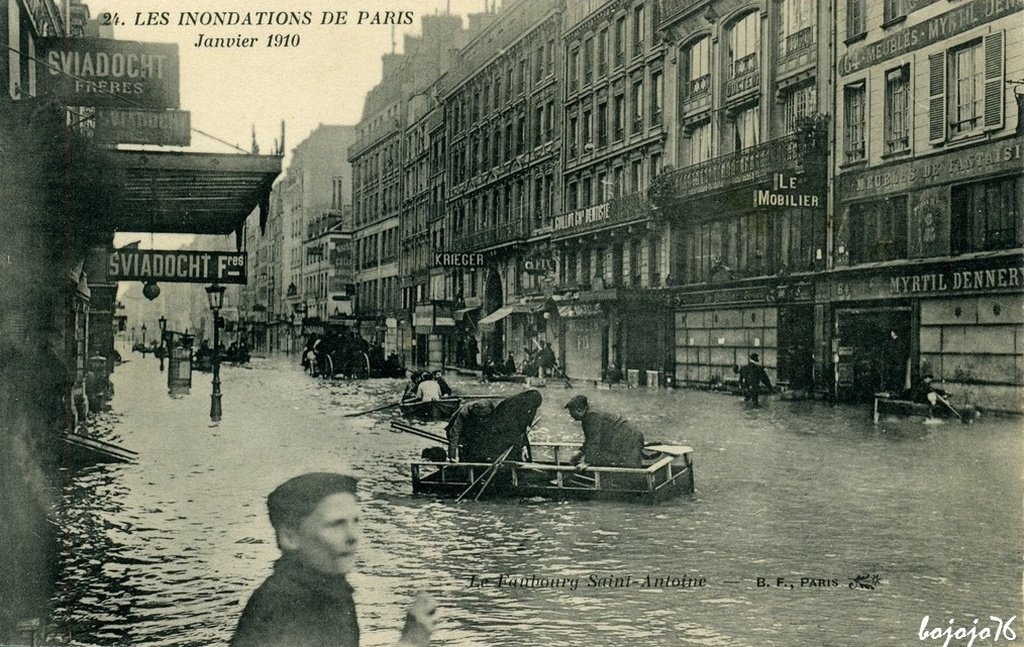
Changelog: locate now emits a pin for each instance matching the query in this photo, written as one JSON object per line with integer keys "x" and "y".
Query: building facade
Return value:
{"x": 928, "y": 228}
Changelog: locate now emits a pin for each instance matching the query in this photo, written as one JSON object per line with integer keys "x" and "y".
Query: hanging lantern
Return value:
{"x": 151, "y": 290}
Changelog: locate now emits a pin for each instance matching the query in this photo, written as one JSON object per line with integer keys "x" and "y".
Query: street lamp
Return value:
{"x": 143, "y": 336}
{"x": 163, "y": 340}
{"x": 215, "y": 293}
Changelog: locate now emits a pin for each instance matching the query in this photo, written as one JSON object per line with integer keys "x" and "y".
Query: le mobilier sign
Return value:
{"x": 110, "y": 73}
{"x": 176, "y": 266}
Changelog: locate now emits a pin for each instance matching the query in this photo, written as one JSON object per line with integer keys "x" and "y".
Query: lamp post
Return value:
{"x": 215, "y": 293}
{"x": 143, "y": 336}
{"x": 163, "y": 340}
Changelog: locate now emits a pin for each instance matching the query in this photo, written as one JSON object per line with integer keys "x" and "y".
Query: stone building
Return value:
{"x": 927, "y": 276}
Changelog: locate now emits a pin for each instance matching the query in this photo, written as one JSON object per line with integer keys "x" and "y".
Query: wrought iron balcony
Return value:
{"x": 509, "y": 232}
{"x": 627, "y": 208}
{"x": 743, "y": 66}
{"x": 799, "y": 41}
{"x": 698, "y": 86}
{"x": 752, "y": 164}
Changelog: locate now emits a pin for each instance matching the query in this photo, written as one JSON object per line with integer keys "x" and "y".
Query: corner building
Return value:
{"x": 928, "y": 232}
{"x": 746, "y": 201}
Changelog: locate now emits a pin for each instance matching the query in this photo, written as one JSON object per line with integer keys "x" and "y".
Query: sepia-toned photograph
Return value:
{"x": 501, "y": 323}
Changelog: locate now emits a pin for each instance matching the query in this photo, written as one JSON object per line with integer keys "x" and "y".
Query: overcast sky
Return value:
{"x": 229, "y": 90}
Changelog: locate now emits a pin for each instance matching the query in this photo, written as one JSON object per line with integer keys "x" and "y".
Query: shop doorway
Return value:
{"x": 493, "y": 340}
{"x": 873, "y": 352}
{"x": 796, "y": 346}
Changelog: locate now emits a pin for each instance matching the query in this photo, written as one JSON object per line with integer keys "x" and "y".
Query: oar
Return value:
{"x": 416, "y": 431}
{"x": 483, "y": 396}
{"x": 946, "y": 402}
{"x": 494, "y": 470}
{"x": 484, "y": 473}
{"x": 363, "y": 413}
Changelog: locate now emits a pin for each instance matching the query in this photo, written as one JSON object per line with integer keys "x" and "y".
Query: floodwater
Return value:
{"x": 167, "y": 550}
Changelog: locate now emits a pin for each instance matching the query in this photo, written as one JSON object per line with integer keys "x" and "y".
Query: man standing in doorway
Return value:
{"x": 307, "y": 602}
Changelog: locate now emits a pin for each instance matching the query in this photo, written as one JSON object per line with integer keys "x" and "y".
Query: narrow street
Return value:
{"x": 166, "y": 551}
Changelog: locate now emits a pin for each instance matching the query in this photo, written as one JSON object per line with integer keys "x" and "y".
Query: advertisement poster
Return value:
{"x": 576, "y": 322}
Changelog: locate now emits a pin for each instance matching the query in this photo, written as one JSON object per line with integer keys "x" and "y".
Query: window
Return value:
{"x": 897, "y": 109}
{"x": 893, "y": 10}
{"x": 572, "y": 134}
{"x": 638, "y": 106}
{"x": 602, "y": 53}
{"x": 655, "y": 165}
{"x": 743, "y": 45}
{"x": 654, "y": 262}
{"x": 588, "y": 128}
{"x": 538, "y": 127}
{"x": 639, "y": 29}
{"x": 965, "y": 89}
{"x": 698, "y": 67}
{"x": 878, "y": 230}
{"x": 854, "y": 121}
{"x": 855, "y": 23}
{"x": 800, "y": 102}
{"x": 620, "y": 41}
{"x": 549, "y": 122}
{"x": 747, "y": 128}
{"x": 968, "y": 85}
{"x": 588, "y": 192}
{"x": 602, "y": 124}
{"x": 588, "y": 60}
{"x": 637, "y": 175}
{"x": 796, "y": 26}
{"x": 698, "y": 144}
{"x": 657, "y": 96}
{"x": 574, "y": 69}
{"x": 538, "y": 65}
{"x": 986, "y": 216}
{"x": 619, "y": 117}
{"x": 571, "y": 196}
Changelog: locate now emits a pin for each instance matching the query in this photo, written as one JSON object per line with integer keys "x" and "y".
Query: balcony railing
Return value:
{"x": 508, "y": 232}
{"x": 633, "y": 206}
{"x": 750, "y": 164}
{"x": 799, "y": 41}
{"x": 698, "y": 86}
{"x": 743, "y": 66}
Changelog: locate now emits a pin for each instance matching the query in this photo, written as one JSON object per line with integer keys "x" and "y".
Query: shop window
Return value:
{"x": 965, "y": 89}
{"x": 800, "y": 103}
{"x": 856, "y": 26}
{"x": 854, "y": 122}
{"x": 897, "y": 110}
{"x": 986, "y": 216}
{"x": 878, "y": 230}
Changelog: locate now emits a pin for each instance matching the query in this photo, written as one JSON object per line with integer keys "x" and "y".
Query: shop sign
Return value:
{"x": 786, "y": 191}
{"x": 941, "y": 27}
{"x": 177, "y": 266}
{"x": 944, "y": 280}
{"x": 738, "y": 295}
{"x": 160, "y": 127}
{"x": 951, "y": 167}
{"x": 456, "y": 259}
{"x": 103, "y": 72}
{"x": 539, "y": 265}
{"x": 580, "y": 310}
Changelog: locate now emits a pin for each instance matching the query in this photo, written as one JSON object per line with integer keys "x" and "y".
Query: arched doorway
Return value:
{"x": 492, "y": 342}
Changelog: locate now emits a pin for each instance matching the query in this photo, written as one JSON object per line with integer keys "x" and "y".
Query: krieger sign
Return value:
{"x": 443, "y": 259}
{"x": 178, "y": 266}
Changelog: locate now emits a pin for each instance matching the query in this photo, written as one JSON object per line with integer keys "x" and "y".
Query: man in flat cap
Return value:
{"x": 608, "y": 440}
{"x": 307, "y": 602}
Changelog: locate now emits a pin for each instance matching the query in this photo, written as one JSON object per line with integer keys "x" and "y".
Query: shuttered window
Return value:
{"x": 966, "y": 89}
{"x": 854, "y": 121}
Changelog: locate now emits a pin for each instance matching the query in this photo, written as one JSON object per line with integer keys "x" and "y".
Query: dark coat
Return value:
{"x": 752, "y": 376}
{"x": 610, "y": 441}
{"x": 299, "y": 607}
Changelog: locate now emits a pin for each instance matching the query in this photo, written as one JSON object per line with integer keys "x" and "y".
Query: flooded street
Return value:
{"x": 167, "y": 550}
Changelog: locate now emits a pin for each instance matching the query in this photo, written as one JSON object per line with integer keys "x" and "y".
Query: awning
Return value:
{"x": 496, "y": 316}
{"x": 460, "y": 313}
{"x": 193, "y": 193}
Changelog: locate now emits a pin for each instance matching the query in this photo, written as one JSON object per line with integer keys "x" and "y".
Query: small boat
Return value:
{"x": 667, "y": 472}
{"x": 888, "y": 405}
{"x": 442, "y": 409}
{"x": 80, "y": 451}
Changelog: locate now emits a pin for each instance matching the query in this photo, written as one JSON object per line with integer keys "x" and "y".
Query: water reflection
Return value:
{"x": 165, "y": 551}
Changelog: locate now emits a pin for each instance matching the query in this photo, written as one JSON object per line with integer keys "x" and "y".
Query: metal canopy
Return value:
{"x": 188, "y": 193}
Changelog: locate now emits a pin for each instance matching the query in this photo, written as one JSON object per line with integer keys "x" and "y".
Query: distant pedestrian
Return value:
{"x": 752, "y": 377}
{"x": 546, "y": 360}
{"x": 307, "y": 601}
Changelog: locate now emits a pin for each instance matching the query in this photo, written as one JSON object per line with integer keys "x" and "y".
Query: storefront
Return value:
{"x": 961, "y": 322}
{"x": 584, "y": 335}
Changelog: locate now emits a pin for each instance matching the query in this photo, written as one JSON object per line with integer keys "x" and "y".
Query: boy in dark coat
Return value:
{"x": 752, "y": 376}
